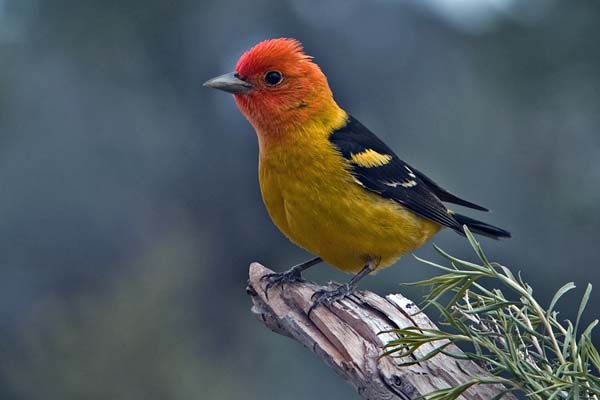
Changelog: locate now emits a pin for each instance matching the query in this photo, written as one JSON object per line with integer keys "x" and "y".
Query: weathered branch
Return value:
{"x": 347, "y": 337}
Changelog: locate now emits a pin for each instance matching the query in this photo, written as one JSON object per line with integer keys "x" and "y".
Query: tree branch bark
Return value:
{"x": 347, "y": 337}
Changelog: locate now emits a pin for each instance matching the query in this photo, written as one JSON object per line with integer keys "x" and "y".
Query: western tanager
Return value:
{"x": 329, "y": 184}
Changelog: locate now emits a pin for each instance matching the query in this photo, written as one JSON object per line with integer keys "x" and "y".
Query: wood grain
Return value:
{"x": 347, "y": 337}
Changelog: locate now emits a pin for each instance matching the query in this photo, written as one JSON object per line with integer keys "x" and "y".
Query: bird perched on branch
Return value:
{"x": 329, "y": 184}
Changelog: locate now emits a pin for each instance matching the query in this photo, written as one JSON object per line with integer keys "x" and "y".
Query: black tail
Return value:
{"x": 481, "y": 228}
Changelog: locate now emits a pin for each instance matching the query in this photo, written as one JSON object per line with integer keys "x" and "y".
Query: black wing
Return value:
{"x": 445, "y": 195}
{"x": 378, "y": 169}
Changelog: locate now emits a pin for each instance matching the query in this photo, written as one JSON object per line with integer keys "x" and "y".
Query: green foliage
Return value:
{"x": 524, "y": 346}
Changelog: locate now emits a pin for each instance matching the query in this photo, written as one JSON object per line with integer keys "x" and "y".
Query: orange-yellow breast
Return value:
{"x": 314, "y": 200}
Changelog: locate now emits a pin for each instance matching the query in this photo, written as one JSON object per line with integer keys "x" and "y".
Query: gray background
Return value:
{"x": 129, "y": 202}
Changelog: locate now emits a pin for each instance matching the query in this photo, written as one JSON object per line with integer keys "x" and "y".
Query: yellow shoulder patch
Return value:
{"x": 370, "y": 158}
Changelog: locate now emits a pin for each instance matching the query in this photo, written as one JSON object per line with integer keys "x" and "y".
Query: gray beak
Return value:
{"x": 229, "y": 83}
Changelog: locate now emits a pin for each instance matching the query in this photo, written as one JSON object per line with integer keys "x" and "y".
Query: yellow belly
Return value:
{"x": 317, "y": 204}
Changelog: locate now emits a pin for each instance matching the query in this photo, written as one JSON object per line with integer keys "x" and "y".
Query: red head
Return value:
{"x": 278, "y": 87}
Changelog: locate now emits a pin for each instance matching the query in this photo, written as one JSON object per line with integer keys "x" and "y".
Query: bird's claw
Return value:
{"x": 281, "y": 278}
{"x": 327, "y": 297}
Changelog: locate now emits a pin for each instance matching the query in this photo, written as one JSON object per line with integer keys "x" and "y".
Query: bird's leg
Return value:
{"x": 291, "y": 275}
{"x": 327, "y": 297}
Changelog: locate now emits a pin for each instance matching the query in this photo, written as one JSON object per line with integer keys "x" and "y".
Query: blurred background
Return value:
{"x": 129, "y": 203}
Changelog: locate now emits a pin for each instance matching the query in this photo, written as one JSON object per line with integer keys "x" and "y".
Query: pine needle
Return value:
{"x": 523, "y": 345}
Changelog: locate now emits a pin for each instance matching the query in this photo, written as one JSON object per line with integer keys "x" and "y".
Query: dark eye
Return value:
{"x": 273, "y": 78}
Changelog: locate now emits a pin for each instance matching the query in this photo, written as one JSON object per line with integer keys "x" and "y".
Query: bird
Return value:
{"x": 329, "y": 184}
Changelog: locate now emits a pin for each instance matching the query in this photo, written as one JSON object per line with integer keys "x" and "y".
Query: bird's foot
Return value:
{"x": 280, "y": 278}
{"x": 327, "y": 297}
